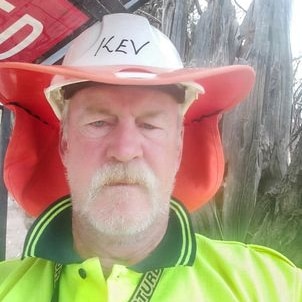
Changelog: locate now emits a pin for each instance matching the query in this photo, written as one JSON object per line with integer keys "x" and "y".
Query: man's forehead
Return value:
{"x": 101, "y": 110}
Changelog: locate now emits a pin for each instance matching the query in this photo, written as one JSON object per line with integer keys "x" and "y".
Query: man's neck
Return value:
{"x": 123, "y": 250}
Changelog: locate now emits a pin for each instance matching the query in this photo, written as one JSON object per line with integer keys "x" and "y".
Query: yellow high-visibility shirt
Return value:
{"x": 184, "y": 267}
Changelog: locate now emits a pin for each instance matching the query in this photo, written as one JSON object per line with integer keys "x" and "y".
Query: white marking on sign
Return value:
{"x": 6, "y": 6}
{"x": 37, "y": 28}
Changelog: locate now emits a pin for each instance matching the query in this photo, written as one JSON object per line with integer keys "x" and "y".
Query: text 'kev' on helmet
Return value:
{"x": 123, "y": 49}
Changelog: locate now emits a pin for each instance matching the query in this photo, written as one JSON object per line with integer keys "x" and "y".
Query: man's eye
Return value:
{"x": 96, "y": 128}
{"x": 98, "y": 124}
{"x": 148, "y": 126}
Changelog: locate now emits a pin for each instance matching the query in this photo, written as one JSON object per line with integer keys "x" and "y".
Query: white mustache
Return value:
{"x": 120, "y": 173}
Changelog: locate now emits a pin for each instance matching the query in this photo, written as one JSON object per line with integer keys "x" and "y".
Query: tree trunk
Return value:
{"x": 256, "y": 133}
{"x": 216, "y": 36}
{"x": 277, "y": 221}
{"x": 174, "y": 23}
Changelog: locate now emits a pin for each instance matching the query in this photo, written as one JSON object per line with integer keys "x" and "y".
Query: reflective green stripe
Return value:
{"x": 41, "y": 224}
{"x": 185, "y": 225}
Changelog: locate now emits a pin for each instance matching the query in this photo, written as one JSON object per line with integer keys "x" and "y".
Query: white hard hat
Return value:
{"x": 121, "y": 40}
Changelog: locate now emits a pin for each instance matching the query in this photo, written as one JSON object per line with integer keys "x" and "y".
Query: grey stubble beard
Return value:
{"x": 89, "y": 207}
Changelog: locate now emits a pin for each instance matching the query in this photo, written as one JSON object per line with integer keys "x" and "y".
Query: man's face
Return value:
{"x": 121, "y": 149}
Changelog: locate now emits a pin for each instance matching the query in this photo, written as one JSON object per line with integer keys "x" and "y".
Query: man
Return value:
{"x": 131, "y": 119}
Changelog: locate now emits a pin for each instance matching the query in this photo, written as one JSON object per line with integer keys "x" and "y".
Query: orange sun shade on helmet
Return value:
{"x": 34, "y": 174}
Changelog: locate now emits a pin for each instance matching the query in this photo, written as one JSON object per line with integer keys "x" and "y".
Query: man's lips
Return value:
{"x": 123, "y": 184}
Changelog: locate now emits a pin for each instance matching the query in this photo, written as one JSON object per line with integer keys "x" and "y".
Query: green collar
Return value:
{"x": 178, "y": 247}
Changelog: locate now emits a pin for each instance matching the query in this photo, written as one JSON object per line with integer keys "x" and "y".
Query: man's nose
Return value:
{"x": 125, "y": 143}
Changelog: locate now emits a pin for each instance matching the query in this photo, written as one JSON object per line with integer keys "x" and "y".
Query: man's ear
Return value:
{"x": 180, "y": 146}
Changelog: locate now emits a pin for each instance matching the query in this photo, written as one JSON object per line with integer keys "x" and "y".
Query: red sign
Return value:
{"x": 31, "y": 28}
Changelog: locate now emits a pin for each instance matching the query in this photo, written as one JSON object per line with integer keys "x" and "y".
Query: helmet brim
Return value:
{"x": 22, "y": 88}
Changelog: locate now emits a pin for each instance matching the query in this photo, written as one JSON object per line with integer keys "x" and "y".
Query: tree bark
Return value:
{"x": 277, "y": 221}
{"x": 216, "y": 36}
{"x": 174, "y": 23}
{"x": 256, "y": 133}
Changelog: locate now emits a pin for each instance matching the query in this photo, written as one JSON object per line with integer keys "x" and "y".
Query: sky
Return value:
{"x": 296, "y": 26}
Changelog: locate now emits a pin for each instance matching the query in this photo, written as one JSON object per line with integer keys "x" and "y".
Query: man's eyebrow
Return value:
{"x": 153, "y": 113}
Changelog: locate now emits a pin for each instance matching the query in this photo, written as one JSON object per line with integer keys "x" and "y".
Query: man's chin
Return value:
{"x": 123, "y": 218}
{"x": 123, "y": 198}
{"x": 119, "y": 223}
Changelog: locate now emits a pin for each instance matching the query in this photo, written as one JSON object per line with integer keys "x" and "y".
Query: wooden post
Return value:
{"x": 174, "y": 24}
{"x": 4, "y": 137}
